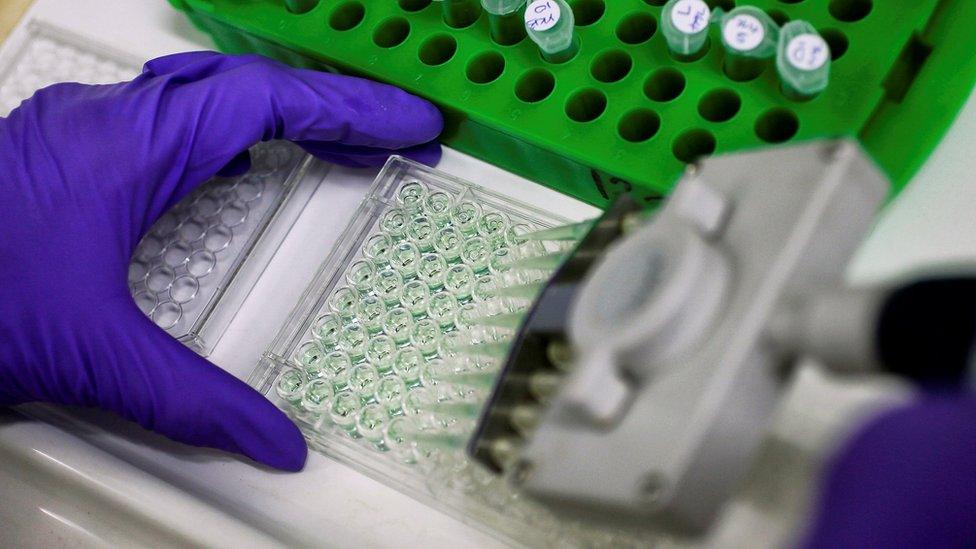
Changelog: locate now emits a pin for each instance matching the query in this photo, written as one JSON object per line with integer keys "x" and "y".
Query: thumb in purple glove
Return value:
{"x": 86, "y": 170}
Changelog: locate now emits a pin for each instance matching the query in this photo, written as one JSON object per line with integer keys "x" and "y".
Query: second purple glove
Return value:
{"x": 84, "y": 173}
{"x": 907, "y": 479}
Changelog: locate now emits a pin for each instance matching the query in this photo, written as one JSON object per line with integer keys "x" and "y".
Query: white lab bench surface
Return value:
{"x": 78, "y": 477}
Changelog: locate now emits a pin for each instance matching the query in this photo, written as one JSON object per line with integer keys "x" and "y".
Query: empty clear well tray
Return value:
{"x": 188, "y": 274}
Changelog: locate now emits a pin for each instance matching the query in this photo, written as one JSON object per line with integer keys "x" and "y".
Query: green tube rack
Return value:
{"x": 623, "y": 115}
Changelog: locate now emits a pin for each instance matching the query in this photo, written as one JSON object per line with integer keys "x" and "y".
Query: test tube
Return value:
{"x": 460, "y": 13}
{"x": 449, "y": 350}
{"x": 550, "y": 24}
{"x": 506, "y": 26}
{"x": 685, "y": 27}
{"x": 803, "y": 61}
{"x": 500, "y": 264}
{"x": 485, "y": 289}
{"x": 516, "y": 235}
{"x": 464, "y": 317}
{"x": 399, "y": 439}
{"x": 442, "y": 307}
{"x": 417, "y": 401}
{"x": 749, "y": 36}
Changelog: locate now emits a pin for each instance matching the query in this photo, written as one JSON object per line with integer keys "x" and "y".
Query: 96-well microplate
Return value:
{"x": 387, "y": 362}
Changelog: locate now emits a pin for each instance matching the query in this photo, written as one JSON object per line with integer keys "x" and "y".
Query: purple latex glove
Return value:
{"x": 84, "y": 173}
{"x": 907, "y": 480}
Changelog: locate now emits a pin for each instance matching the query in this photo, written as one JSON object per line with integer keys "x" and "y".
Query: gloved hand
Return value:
{"x": 84, "y": 173}
{"x": 908, "y": 479}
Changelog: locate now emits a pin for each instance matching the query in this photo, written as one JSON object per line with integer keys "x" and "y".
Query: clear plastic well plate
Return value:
{"x": 188, "y": 273}
{"x": 386, "y": 363}
{"x": 43, "y": 55}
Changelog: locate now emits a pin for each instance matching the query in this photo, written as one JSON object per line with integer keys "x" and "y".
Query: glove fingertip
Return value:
{"x": 421, "y": 122}
{"x": 430, "y": 120}
{"x": 378, "y": 115}
{"x": 292, "y": 451}
{"x": 275, "y": 440}
{"x": 169, "y": 389}
{"x": 259, "y": 430}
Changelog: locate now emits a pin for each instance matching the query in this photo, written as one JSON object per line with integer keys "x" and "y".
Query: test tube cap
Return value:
{"x": 685, "y": 26}
{"x": 551, "y": 25}
{"x": 748, "y": 31}
{"x": 803, "y": 60}
{"x": 750, "y": 37}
